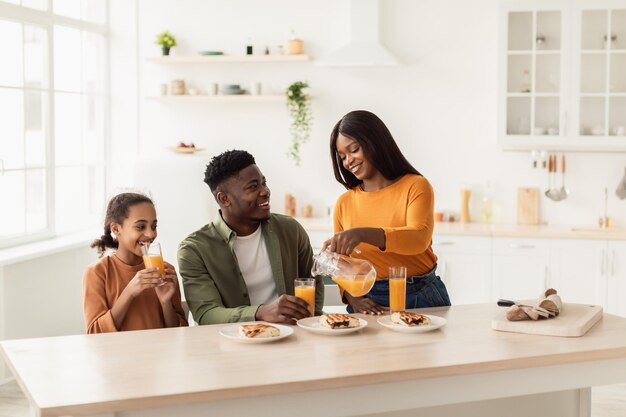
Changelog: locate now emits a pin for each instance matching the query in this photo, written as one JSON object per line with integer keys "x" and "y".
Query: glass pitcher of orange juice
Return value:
{"x": 353, "y": 275}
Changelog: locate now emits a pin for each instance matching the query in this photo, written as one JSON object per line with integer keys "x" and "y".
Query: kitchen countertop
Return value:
{"x": 324, "y": 224}
{"x": 537, "y": 231}
{"x": 95, "y": 374}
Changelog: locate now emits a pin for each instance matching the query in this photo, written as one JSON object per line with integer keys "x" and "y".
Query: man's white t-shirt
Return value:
{"x": 254, "y": 263}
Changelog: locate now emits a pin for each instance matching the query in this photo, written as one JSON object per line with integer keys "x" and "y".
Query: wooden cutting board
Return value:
{"x": 528, "y": 205}
{"x": 575, "y": 320}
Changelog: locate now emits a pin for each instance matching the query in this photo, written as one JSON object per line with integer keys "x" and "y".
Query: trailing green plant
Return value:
{"x": 299, "y": 106}
{"x": 165, "y": 39}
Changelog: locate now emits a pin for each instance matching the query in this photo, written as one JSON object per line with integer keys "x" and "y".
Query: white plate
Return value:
{"x": 232, "y": 332}
{"x": 436, "y": 322}
{"x": 312, "y": 324}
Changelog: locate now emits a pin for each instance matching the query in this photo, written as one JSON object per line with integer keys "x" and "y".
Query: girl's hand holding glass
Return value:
{"x": 144, "y": 279}
{"x": 167, "y": 289}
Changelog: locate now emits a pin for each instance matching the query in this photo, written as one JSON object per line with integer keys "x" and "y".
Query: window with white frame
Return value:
{"x": 53, "y": 112}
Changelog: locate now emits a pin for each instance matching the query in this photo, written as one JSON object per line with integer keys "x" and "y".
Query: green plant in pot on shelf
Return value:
{"x": 299, "y": 106}
{"x": 166, "y": 40}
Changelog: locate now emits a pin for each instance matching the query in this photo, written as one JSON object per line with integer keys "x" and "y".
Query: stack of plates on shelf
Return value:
{"x": 229, "y": 89}
{"x": 211, "y": 53}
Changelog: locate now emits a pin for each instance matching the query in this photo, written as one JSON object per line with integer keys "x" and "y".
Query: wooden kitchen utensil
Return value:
{"x": 528, "y": 205}
{"x": 575, "y": 320}
{"x": 563, "y": 192}
{"x": 553, "y": 192}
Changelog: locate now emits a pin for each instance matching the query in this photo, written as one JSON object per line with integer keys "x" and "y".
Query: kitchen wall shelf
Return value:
{"x": 239, "y": 98}
{"x": 559, "y": 73}
{"x": 225, "y": 59}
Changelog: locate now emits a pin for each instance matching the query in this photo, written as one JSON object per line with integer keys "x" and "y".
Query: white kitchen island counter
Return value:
{"x": 465, "y": 368}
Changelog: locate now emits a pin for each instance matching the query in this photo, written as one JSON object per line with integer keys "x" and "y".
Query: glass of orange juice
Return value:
{"x": 305, "y": 289}
{"x": 397, "y": 288}
{"x": 152, "y": 257}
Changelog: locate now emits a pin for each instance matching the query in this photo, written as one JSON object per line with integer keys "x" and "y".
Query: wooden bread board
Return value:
{"x": 575, "y": 320}
{"x": 527, "y": 206}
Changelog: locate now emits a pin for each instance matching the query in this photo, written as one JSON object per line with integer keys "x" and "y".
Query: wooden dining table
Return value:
{"x": 463, "y": 368}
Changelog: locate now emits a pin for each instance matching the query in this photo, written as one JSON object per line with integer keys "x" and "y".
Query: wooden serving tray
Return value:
{"x": 575, "y": 320}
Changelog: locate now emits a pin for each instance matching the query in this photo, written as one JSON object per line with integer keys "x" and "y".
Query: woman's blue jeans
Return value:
{"x": 421, "y": 291}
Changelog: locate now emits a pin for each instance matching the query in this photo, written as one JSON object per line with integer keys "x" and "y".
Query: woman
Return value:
{"x": 387, "y": 213}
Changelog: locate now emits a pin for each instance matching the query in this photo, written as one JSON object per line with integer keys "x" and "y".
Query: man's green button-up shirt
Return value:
{"x": 214, "y": 286}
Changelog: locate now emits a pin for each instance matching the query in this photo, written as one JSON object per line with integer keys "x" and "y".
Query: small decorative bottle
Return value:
{"x": 486, "y": 208}
{"x": 249, "y": 47}
{"x": 290, "y": 205}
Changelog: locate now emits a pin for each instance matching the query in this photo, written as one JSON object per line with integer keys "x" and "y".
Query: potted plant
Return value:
{"x": 166, "y": 40}
{"x": 299, "y": 106}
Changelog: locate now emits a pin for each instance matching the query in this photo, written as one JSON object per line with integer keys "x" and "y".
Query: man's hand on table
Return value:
{"x": 286, "y": 309}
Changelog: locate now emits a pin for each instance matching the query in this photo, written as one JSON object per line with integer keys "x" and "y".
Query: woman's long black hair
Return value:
{"x": 378, "y": 146}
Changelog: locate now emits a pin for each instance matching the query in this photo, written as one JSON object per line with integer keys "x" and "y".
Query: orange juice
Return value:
{"x": 397, "y": 294}
{"x": 356, "y": 285}
{"x": 154, "y": 261}
{"x": 307, "y": 294}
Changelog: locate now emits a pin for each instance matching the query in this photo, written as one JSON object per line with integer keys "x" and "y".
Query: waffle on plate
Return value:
{"x": 410, "y": 319}
{"x": 338, "y": 321}
{"x": 258, "y": 330}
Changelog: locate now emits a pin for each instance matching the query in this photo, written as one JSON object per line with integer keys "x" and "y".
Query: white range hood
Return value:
{"x": 364, "y": 48}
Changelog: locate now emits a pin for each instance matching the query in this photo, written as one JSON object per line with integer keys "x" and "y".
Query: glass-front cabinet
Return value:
{"x": 563, "y": 75}
{"x": 601, "y": 58}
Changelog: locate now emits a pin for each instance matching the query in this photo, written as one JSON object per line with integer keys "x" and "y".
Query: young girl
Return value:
{"x": 118, "y": 292}
{"x": 387, "y": 213}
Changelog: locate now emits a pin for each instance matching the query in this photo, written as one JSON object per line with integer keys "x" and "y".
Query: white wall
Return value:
{"x": 45, "y": 293}
{"x": 441, "y": 106}
{"x": 123, "y": 80}
{"x": 43, "y": 297}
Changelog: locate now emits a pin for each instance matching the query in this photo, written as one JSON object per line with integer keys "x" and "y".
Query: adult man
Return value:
{"x": 242, "y": 265}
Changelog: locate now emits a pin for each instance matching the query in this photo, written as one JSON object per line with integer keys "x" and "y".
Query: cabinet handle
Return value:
{"x": 443, "y": 243}
{"x": 520, "y": 246}
{"x": 613, "y": 263}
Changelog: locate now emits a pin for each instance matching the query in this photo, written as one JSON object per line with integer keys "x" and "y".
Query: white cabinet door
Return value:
{"x": 616, "y": 271}
{"x": 534, "y": 46}
{"x": 562, "y": 75}
{"x": 579, "y": 270}
{"x": 599, "y": 64}
{"x": 464, "y": 265}
{"x": 520, "y": 267}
